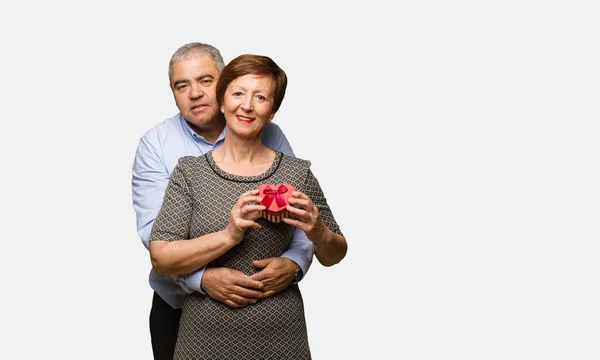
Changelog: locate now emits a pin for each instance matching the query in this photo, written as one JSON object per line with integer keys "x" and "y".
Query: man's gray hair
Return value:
{"x": 190, "y": 50}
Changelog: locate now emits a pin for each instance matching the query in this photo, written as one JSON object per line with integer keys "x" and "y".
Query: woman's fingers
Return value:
{"x": 297, "y": 223}
{"x": 300, "y": 199}
{"x": 305, "y": 213}
{"x": 243, "y": 214}
{"x": 251, "y": 211}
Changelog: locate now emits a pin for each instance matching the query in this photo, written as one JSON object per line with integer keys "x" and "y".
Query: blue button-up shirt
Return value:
{"x": 157, "y": 155}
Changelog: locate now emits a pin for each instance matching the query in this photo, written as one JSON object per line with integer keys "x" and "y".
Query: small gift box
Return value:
{"x": 275, "y": 198}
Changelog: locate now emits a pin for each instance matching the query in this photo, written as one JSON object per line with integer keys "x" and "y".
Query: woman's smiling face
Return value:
{"x": 248, "y": 104}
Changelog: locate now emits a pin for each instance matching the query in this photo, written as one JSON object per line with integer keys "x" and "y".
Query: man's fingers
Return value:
{"x": 262, "y": 263}
{"x": 246, "y": 294}
{"x": 269, "y": 293}
{"x": 248, "y": 283}
{"x": 241, "y": 300}
{"x": 232, "y": 304}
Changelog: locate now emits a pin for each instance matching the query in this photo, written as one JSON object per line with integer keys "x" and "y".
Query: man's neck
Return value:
{"x": 209, "y": 131}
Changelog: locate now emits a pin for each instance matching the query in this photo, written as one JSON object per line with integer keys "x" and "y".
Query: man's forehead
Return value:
{"x": 199, "y": 59}
{"x": 194, "y": 66}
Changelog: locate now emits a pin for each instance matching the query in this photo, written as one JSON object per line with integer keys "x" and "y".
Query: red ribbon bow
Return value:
{"x": 271, "y": 194}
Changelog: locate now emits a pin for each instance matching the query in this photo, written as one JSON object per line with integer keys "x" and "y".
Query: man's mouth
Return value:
{"x": 197, "y": 107}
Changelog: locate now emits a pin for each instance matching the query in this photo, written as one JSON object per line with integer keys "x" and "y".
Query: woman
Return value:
{"x": 212, "y": 203}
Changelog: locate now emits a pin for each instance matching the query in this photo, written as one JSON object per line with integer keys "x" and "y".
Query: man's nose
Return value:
{"x": 196, "y": 91}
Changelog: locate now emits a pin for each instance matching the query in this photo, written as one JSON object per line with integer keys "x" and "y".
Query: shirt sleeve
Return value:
{"x": 300, "y": 251}
{"x": 150, "y": 179}
{"x": 193, "y": 281}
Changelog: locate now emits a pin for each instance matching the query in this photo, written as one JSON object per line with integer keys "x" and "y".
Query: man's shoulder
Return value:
{"x": 274, "y": 138}
{"x": 272, "y": 129}
{"x": 163, "y": 129}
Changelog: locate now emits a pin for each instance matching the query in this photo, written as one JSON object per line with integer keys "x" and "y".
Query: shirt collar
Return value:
{"x": 191, "y": 133}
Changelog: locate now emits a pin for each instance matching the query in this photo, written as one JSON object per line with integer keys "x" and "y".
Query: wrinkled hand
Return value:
{"x": 308, "y": 218}
{"x": 276, "y": 274}
{"x": 231, "y": 287}
{"x": 242, "y": 215}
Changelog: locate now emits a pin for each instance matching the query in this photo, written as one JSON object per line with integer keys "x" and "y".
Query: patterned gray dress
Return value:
{"x": 197, "y": 202}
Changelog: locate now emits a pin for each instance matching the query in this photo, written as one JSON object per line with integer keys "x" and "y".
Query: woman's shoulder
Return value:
{"x": 295, "y": 161}
{"x": 189, "y": 164}
{"x": 190, "y": 160}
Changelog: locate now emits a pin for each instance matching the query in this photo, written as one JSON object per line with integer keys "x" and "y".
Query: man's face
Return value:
{"x": 193, "y": 82}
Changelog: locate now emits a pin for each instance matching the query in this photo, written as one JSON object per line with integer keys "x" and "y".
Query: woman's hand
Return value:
{"x": 330, "y": 247}
{"x": 242, "y": 215}
{"x": 307, "y": 218}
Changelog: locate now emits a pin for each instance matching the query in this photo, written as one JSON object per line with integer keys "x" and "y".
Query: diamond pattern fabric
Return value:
{"x": 197, "y": 202}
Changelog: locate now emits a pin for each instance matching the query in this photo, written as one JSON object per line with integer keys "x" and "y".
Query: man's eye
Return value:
{"x": 206, "y": 82}
{"x": 181, "y": 87}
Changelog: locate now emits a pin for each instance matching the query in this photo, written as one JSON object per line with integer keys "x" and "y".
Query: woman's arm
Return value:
{"x": 185, "y": 256}
{"x": 330, "y": 248}
{"x": 170, "y": 251}
{"x": 317, "y": 221}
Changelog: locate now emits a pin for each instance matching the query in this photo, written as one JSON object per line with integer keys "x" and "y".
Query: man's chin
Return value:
{"x": 203, "y": 121}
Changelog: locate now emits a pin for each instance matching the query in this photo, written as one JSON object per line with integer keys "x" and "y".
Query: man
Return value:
{"x": 200, "y": 127}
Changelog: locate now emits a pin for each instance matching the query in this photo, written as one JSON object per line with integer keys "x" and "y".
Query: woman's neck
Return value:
{"x": 243, "y": 157}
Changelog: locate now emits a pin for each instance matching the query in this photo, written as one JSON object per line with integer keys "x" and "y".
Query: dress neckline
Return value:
{"x": 240, "y": 178}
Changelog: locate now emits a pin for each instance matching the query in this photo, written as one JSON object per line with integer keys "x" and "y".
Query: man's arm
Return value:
{"x": 150, "y": 178}
{"x": 149, "y": 183}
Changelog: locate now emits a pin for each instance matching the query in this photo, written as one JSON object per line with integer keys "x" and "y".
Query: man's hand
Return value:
{"x": 276, "y": 274}
{"x": 231, "y": 287}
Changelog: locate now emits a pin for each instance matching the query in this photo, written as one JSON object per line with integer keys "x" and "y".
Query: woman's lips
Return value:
{"x": 243, "y": 119}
